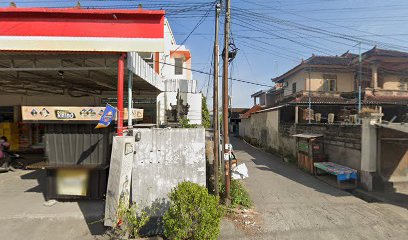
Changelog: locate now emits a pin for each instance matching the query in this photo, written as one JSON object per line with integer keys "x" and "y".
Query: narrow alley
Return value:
{"x": 296, "y": 205}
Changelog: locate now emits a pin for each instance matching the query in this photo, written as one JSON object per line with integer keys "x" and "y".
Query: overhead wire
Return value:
{"x": 206, "y": 73}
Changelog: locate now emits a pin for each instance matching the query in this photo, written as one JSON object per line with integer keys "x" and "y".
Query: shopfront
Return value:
{"x": 58, "y": 67}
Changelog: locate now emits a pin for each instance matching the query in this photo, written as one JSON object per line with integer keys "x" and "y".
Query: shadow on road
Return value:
{"x": 269, "y": 162}
{"x": 92, "y": 210}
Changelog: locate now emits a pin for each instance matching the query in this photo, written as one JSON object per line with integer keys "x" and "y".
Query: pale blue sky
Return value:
{"x": 273, "y": 36}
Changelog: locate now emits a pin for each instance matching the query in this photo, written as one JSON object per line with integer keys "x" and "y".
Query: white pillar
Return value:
{"x": 368, "y": 153}
{"x": 296, "y": 115}
{"x": 374, "y": 75}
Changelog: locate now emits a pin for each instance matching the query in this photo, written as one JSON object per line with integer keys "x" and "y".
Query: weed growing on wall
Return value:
{"x": 130, "y": 220}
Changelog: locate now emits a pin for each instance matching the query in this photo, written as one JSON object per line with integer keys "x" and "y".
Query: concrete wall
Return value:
{"x": 345, "y": 81}
{"x": 163, "y": 158}
{"x": 245, "y": 127}
{"x": 299, "y": 79}
{"x": 342, "y": 142}
{"x": 391, "y": 82}
{"x": 263, "y": 129}
{"x": 393, "y": 157}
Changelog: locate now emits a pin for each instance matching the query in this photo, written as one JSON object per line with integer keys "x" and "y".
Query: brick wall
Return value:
{"x": 342, "y": 142}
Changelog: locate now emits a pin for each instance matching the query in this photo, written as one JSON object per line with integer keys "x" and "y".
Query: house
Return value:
{"x": 329, "y": 84}
{"x": 235, "y": 118}
{"x": 321, "y": 96}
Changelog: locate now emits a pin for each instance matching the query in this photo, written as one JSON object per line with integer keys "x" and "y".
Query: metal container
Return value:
{"x": 77, "y": 144}
{"x": 77, "y": 147}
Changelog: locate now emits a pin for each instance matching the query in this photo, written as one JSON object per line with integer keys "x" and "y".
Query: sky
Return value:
{"x": 272, "y": 36}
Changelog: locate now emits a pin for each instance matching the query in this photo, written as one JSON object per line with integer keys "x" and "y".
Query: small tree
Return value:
{"x": 205, "y": 114}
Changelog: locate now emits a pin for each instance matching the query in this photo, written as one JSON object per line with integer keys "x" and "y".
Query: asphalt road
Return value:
{"x": 292, "y": 205}
{"x": 296, "y": 205}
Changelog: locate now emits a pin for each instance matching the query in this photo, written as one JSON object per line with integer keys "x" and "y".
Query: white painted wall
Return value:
{"x": 167, "y": 71}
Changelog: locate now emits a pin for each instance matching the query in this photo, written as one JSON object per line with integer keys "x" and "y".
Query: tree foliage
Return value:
{"x": 205, "y": 114}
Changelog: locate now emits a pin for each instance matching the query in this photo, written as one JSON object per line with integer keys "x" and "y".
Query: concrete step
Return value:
{"x": 397, "y": 184}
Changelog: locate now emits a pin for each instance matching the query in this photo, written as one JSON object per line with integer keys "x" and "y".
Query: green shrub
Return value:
{"x": 239, "y": 195}
{"x": 185, "y": 123}
{"x": 193, "y": 213}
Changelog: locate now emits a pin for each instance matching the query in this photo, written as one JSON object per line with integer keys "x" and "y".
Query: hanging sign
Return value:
{"x": 107, "y": 117}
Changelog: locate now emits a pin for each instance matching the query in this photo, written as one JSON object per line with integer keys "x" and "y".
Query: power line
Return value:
{"x": 197, "y": 25}
{"x": 206, "y": 73}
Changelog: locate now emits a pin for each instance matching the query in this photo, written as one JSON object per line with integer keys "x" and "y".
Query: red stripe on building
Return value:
{"x": 81, "y": 23}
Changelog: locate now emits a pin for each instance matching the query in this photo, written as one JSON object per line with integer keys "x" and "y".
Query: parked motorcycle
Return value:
{"x": 12, "y": 161}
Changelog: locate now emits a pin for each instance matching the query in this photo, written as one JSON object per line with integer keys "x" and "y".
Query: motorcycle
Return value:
{"x": 12, "y": 161}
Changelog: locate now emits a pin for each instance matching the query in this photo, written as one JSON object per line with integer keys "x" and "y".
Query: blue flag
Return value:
{"x": 107, "y": 117}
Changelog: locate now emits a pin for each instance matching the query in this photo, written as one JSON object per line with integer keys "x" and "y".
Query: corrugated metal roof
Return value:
{"x": 307, "y": 135}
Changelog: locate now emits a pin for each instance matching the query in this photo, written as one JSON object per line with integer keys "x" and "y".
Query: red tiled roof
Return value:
{"x": 400, "y": 100}
{"x": 386, "y": 100}
{"x": 237, "y": 112}
{"x": 323, "y": 100}
{"x": 384, "y": 53}
{"x": 252, "y": 110}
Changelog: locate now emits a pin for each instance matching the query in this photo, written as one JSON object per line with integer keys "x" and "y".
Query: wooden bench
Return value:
{"x": 342, "y": 173}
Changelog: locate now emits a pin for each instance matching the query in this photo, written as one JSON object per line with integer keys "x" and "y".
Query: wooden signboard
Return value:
{"x": 57, "y": 113}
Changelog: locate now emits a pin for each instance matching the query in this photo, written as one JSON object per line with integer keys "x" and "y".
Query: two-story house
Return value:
{"x": 329, "y": 84}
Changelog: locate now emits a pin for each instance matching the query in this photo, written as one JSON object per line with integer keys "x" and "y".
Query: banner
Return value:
{"x": 107, "y": 117}
{"x": 72, "y": 114}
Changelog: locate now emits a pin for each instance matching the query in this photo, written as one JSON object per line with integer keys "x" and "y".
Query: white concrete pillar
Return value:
{"x": 368, "y": 153}
{"x": 296, "y": 115}
{"x": 374, "y": 75}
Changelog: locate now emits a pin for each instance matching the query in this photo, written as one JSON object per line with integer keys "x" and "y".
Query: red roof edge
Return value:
{"x": 248, "y": 113}
{"x": 75, "y": 10}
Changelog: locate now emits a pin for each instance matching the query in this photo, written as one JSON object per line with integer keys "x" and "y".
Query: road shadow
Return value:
{"x": 268, "y": 162}
{"x": 92, "y": 210}
{"x": 40, "y": 176}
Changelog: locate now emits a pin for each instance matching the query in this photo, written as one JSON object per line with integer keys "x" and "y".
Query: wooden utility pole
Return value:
{"x": 215, "y": 102}
{"x": 225, "y": 99}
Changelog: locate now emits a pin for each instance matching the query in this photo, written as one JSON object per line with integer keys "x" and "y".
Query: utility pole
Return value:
{"x": 225, "y": 99}
{"x": 359, "y": 78}
{"x": 215, "y": 102}
{"x": 310, "y": 100}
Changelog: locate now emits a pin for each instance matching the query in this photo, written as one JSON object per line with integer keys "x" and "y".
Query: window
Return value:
{"x": 293, "y": 88}
{"x": 178, "y": 66}
{"x": 329, "y": 82}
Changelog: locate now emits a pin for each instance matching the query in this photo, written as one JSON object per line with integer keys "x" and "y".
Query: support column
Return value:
{"x": 374, "y": 75}
{"x": 368, "y": 153}
{"x": 121, "y": 76}
{"x": 296, "y": 115}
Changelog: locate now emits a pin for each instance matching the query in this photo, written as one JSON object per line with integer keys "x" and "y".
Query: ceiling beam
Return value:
{"x": 12, "y": 69}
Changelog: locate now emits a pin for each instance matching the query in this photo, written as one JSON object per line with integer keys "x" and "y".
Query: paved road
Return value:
{"x": 24, "y": 216}
{"x": 295, "y": 205}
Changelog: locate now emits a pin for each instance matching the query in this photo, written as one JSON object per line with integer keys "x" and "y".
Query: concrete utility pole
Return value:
{"x": 215, "y": 102}
{"x": 310, "y": 100}
{"x": 359, "y": 78}
{"x": 225, "y": 99}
